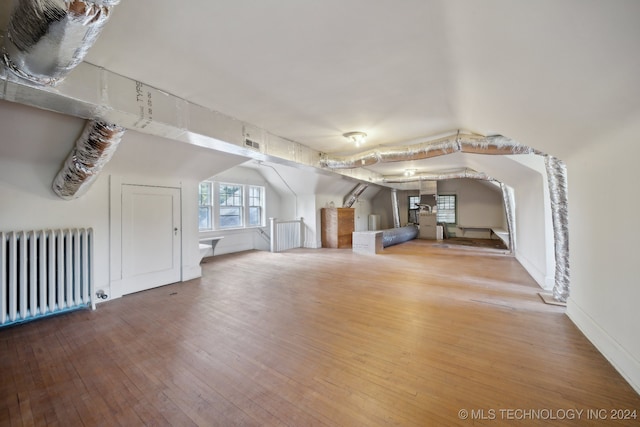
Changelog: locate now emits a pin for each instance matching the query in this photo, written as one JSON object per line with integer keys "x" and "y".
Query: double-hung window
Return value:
{"x": 205, "y": 205}
{"x": 256, "y": 203}
{"x": 231, "y": 206}
{"x": 414, "y": 207}
{"x": 224, "y": 205}
{"x": 447, "y": 208}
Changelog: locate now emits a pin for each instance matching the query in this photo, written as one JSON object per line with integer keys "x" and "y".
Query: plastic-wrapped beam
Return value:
{"x": 46, "y": 39}
{"x": 557, "y": 178}
{"x": 92, "y": 151}
{"x": 395, "y": 208}
{"x": 393, "y": 236}
{"x": 495, "y": 144}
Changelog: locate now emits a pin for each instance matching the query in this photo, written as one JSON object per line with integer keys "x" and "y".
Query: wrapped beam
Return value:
{"x": 458, "y": 174}
{"x": 496, "y": 144}
{"x": 92, "y": 151}
{"x": 46, "y": 39}
{"x": 353, "y": 195}
{"x": 557, "y": 178}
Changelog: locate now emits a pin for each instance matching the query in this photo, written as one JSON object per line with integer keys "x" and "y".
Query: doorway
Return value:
{"x": 151, "y": 237}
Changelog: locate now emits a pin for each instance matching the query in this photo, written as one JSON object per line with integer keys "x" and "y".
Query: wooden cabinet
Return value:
{"x": 337, "y": 226}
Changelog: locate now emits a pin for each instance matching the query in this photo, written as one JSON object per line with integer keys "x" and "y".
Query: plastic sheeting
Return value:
{"x": 557, "y": 177}
{"x": 393, "y": 236}
{"x": 46, "y": 39}
{"x": 92, "y": 151}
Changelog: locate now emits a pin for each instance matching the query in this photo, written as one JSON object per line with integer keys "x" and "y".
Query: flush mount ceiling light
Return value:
{"x": 409, "y": 172}
{"x": 357, "y": 138}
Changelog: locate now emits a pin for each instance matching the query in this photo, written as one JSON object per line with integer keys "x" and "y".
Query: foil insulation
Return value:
{"x": 496, "y": 144}
{"x": 510, "y": 213}
{"x": 353, "y": 195}
{"x": 557, "y": 177}
{"x": 395, "y": 208}
{"x": 459, "y": 174}
{"x": 46, "y": 39}
{"x": 393, "y": 236}
{"x": 92, "y": 151}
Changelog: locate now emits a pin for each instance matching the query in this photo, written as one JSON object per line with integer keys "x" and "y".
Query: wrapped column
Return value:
{"x": 557, "y": 177}
{"x": 395, "y": 208}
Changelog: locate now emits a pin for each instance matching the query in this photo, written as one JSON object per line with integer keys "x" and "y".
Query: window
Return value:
{"x": 256, "y": 196}
{"x": 231, "y": 205}
{"x": 225, "y": 205}
{"x": 447, "y": 209}
{"x": 413, "y": 209}
{"x": 205, "y": 206}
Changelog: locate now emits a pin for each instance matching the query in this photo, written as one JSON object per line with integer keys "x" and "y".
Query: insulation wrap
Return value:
{"x": 458, "y": 174}
{"x": 393, "y": 236}
{"x": 46, "y": 39}
{"x": 557, "y": 178}
{"x": 510, "y": 213}
{"x": 395, "y": 208}
{"x": 353, "y": 195}
{"x": 92, "y": 151}
{"x": 495, "y": 144}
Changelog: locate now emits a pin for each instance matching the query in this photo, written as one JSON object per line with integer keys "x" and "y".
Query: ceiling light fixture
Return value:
{"x": 357, "y": 138}
{"x": 409, "y": 172}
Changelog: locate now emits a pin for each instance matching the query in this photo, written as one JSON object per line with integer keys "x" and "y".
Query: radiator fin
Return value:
{"x": 44, "y": 272}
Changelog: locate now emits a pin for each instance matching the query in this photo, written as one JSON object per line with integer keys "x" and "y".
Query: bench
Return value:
{"x": 502, "y": 235}
{"x": 465, "y": 228}
{"x": 208, "y": 246}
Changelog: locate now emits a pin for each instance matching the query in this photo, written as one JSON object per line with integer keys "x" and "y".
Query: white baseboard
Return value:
{"x": 191, "y": 272}
{"x": 541, "y": 279}
{"x": 618, "y": 356}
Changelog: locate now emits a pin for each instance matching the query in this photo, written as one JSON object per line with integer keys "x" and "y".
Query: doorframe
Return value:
{"x": 115, "y": 226}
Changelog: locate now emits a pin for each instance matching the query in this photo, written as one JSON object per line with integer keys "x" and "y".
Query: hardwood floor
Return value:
{"x": 323, "y": 337}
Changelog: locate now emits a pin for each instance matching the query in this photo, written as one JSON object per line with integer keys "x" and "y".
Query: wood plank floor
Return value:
{"x": 317, "y": 338}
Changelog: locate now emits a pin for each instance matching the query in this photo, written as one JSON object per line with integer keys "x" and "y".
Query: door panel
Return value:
{"x": 151, "y": 237}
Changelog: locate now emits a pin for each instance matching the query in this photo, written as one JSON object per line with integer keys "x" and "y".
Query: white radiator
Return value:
{"x": 286, "y": 234}
{"x": 44, "y": 273}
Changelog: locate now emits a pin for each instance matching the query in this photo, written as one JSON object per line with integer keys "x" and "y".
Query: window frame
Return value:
{"x": 246, "y": 206}
{"x": 416, "y": 209}
{"x": 260, "y": 206}
{"x": 220, "y": 206}
{"x": 442, "y": 211}
{"x": 210, "y": 206}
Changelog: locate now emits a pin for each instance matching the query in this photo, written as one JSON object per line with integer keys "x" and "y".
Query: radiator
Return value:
{"x": 286, "y": 234}
{"x": 44, "y": 273}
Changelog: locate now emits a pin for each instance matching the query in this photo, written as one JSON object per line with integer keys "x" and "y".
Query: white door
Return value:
{"x": 151, "y": 237}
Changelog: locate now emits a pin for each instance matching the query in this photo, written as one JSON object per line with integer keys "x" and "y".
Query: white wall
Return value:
{"x": 35, "y": 143}
{"x": 526, "y": 175}
{"x": 604, "y": 236}
{"x": 477, "y": 204}
{"x": 244, "y": 239}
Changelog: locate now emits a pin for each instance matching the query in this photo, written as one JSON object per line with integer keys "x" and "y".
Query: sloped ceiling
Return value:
{"x": 546, "y": 73}
{"x": 552, "y": 75}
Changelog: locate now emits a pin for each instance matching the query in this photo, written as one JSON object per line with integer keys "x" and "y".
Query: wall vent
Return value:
{"x": 252, "y": 144}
